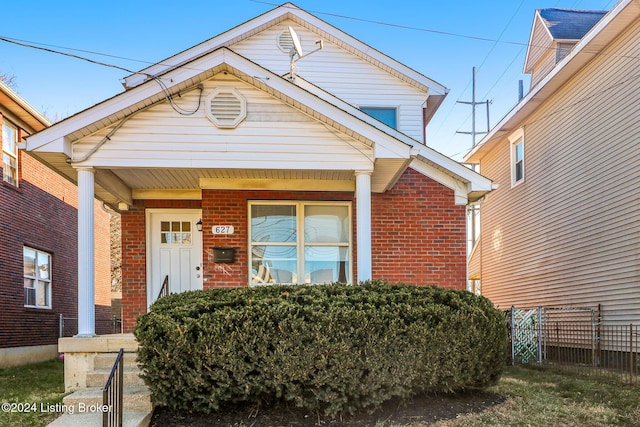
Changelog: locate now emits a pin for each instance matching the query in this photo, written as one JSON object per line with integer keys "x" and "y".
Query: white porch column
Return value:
{"x": 86, "y": 307}
{"x": 363, "y": 218}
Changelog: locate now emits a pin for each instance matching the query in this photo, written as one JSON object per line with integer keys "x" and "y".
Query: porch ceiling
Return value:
{"x": 175, "y": 179}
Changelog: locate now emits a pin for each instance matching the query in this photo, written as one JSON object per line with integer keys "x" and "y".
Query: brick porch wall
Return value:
{"x": 418, "y": 236}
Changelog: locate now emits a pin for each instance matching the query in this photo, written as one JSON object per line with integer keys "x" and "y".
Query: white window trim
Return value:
{"x": 37, "y": 280}
{"x": 12, "y": 155}
{"x": 300, "y": 244}
{"x": 514, "y": 139}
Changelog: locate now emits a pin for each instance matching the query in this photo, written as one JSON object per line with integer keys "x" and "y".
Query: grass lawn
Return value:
{"x": 38, "y": 386}
{"x": 534, "y": 397}
{"x": 541, "y": 397}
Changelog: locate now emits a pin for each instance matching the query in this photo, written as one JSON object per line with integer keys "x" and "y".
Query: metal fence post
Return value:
{"x": 539, "y": 335}
{"x": 60, "y": 326}
{"x": 513, "y": 337}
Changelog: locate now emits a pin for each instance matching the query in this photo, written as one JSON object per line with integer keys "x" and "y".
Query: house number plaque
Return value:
{"x": 222, "y": 229}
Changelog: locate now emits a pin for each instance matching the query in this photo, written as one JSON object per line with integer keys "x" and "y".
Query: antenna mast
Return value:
{"x": 473, "y": 104}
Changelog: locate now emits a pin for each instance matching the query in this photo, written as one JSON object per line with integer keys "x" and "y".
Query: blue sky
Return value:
{"x": 438, "y": 39}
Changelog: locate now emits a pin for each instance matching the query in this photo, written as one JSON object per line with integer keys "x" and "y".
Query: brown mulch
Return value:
{"x": 423, "y": 409}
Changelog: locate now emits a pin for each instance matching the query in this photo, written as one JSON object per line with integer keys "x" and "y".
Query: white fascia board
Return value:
{"x": 118, "y": 103}
{"x": 561, "y": 73}
{"x": 58, "y": 145}
{"x": 476, "y": 182}
{"x": 287, "y": 10}
{"x": 207, "y": 46}
{"x": 460, "y": 188}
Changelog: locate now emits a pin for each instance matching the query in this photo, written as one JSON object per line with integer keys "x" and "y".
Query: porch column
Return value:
{"x": 86, "y": 306}
{"x": 363, "y": 218}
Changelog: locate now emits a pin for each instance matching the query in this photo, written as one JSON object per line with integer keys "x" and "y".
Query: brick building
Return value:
{"x": 271, "y": 166}
{"x": 38, "y": 243}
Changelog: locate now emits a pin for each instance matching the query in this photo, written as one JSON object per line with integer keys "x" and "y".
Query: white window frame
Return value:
{"x": 6, "y": 176}
{"x": 515, "y": 139}
{"x": 37, "y": 280}
{"x": 300, "y": 244}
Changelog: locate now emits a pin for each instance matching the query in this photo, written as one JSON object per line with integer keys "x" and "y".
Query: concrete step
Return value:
{"x": 129, "y": 419}
{"x": 106, "y": 360}
{"x": 136, "y": 399}
{"x": 99, "y": 377}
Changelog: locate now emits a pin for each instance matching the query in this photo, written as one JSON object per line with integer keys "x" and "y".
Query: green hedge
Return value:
{"x": 330, "y": 348}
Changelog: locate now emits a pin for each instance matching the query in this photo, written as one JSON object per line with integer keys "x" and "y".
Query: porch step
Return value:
{"x": 136, "y": 399}
{"x": 99, "y": 377}
{"x": 105, "y": 360}
{"x": 129, "y": 419}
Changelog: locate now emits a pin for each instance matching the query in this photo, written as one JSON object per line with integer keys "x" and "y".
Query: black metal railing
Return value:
{"x": 164, "y": 290}
{"x": 112, "y": 394}
{"x": 68, "y": 326}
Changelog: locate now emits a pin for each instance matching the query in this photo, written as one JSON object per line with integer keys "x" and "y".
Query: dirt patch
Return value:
{"x": 422, "y": 409}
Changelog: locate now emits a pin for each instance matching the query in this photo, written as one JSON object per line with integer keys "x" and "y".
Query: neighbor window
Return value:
{"x": 517, "y": 157}
{"x": 387, "y": 115}
{"x": 37, "y": 278}
{"x": 300, "y": 242}
{"x": 10, "y": 153}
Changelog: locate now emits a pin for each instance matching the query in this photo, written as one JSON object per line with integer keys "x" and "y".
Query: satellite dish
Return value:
{"x": 297, "y": 46}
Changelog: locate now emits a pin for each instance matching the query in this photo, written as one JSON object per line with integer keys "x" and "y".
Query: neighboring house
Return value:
{"x": 562, "y": 228}
{"x": 290, "y": 178}
{"x": 38, "y": 243}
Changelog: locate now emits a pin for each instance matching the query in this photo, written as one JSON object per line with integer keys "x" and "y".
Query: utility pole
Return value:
{"x": 473, "y": 104}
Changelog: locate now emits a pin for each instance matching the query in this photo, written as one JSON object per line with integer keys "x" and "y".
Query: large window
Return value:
{"x": 300, "y": 242}
{"x": 9, "y": 153}
{"x": 387, "y": 115}
{"x": 37, "y": 278}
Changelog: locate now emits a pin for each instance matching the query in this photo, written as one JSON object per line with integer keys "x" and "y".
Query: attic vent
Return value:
{"x": 285, "y": 42}
{"x": 226, "y": 108}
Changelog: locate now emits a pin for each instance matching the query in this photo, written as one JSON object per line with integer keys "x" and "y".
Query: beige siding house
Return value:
{"x": 563, "y": 227}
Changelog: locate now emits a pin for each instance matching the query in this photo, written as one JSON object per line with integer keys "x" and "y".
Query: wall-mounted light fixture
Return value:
{"x": 199, "y": 224}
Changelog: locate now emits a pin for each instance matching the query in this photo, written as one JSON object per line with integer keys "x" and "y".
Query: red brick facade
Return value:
{"x": 41, "y": 213}
{"x": 418, "y": 236}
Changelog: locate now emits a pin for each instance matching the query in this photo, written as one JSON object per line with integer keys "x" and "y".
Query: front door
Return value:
{"x": 174, "y": 250}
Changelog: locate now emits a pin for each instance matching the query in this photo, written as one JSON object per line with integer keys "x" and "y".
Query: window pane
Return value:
{"x": 274, "y": 264}
{"x": 326, "y": 264}
{"x": 186, "y": 226}
{"x": 9, "y": 138}
{"x": 519, "y": 152}
{"x": 43, "y": 266}
{"x": 273, "y": 223}
{"x": 164, "y": 226}
{"x": 326, "y": 224}
{"x": 29, "y": 257}
{"x": 175, "y": 226}
{"x": 43, "y": 294}
{"x": 385, "y": 115}
{"x": 29, "y": 296}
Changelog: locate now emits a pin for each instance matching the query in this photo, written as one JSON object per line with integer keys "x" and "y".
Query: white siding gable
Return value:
{"x": 274, "y": 135}
{"x": 340, "y": 73}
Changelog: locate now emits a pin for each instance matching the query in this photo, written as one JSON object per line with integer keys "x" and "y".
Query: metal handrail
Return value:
{"x": 112, "y": 394}
{"x": 164, "y": 290}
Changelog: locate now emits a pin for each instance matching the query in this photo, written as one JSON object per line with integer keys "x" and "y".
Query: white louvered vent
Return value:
{"x": 285, "y": 42}
{"x": 225, "y": 107}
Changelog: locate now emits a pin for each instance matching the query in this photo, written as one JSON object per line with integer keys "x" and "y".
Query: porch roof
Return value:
{"x": 392, "y": 151}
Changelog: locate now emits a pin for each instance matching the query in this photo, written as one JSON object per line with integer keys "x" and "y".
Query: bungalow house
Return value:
{"x": 38, "y": 243}
{"x": 562, "y": 229}
{"x": 280, "y": 151}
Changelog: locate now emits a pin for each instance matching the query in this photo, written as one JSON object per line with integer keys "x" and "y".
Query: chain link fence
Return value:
{"x": 574, "y": 338}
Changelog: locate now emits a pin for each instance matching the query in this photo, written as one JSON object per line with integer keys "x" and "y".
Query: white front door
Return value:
{"x": 174, "y": 250}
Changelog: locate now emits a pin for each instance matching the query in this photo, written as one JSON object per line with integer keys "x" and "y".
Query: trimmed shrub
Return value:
{"x": 330, "y": 348}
